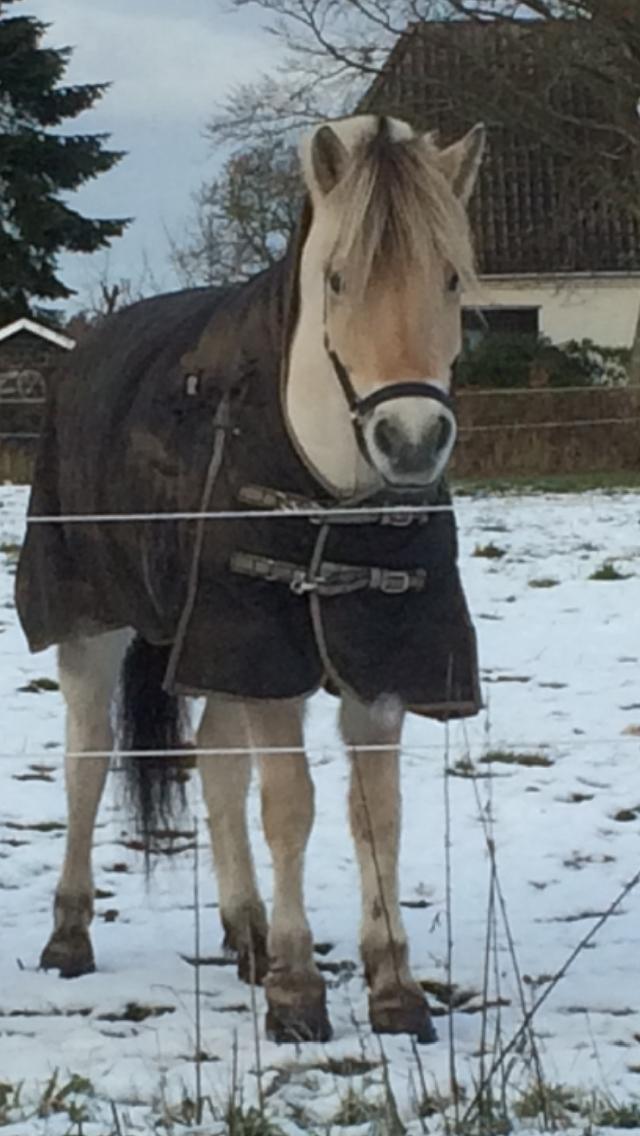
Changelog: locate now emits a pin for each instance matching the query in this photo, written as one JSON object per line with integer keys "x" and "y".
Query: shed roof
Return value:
{"x": 37, "y": 329}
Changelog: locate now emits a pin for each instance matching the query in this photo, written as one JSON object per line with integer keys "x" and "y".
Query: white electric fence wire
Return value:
{"x": 317, "y": 514}
{"x": 548, "y": 749}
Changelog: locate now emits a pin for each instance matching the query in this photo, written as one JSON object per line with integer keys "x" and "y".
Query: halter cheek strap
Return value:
{"x": 361, "y": 408}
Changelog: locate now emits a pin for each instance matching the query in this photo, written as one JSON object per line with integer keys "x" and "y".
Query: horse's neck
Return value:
{"x": 317, "y": 412}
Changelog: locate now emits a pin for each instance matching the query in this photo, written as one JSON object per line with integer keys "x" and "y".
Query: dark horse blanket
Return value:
{"x": 174, "y": 406}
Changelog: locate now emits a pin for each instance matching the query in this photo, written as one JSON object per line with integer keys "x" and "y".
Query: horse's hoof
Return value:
{"x": 403, "y": 1013}
{"x": 69, "y": 952}
{"x": 297, "y": 1012}
{"x": 246, "y": 937}
{"x": 253, "y": 962}
{"x": 298, "y": 1023}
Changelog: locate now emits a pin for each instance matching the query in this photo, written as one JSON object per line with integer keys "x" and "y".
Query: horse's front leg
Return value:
{"x": 396, "y": 1002}
{"x": 88, "y": 670}
{"x": 225, "y": 781}
{"x": 295, "y": 989}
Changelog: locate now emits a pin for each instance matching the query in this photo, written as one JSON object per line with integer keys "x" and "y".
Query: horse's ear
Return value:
{"x": 328, "y": 159}
{"x": 460, "y": 162}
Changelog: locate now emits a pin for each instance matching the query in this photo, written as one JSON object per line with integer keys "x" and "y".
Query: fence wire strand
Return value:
{"x": 420, "y": 749}
{"x": 316, "y": 514}
{"x": 552, "y": 425}
{"x": 305, "y": 513}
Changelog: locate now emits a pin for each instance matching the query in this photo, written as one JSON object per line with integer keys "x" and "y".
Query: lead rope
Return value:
{"x": 315, "y": 609}
{"x": 220, "y": 426}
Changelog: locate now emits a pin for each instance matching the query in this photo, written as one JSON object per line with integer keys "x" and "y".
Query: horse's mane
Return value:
{"x": 398, "y": 210}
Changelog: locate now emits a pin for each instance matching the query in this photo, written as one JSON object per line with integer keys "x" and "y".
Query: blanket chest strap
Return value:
{"x": 260, "y": 497}
{"x": 330, "y": 579}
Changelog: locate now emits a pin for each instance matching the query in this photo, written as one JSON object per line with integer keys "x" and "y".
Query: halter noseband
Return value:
{"x": 360, "y": 408}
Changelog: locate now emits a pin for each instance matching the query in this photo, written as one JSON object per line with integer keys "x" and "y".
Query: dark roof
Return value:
{"x": 535, "y": 209}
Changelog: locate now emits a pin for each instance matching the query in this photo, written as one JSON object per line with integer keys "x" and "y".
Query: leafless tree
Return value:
{"x": 241, "y": 222}
{"x": 104, "y": 293}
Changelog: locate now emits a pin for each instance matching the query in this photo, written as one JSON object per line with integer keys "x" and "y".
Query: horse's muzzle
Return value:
{"x": 410, "y": 440}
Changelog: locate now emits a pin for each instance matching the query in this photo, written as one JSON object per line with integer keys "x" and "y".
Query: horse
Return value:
{"x": 239, "y": 493}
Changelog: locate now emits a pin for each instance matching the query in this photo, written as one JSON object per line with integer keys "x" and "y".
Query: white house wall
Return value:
{"x": 603, "y": 309}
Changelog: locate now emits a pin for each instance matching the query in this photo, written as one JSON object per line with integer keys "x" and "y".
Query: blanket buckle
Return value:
{"x": 394, "y": 583}
{"x": 300, "y": 583}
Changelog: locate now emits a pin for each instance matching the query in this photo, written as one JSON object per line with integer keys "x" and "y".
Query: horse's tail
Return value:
{"x": 154, "y": 723}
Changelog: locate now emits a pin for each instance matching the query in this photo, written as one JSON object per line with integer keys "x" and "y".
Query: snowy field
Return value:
{"x": 560, "y": 656}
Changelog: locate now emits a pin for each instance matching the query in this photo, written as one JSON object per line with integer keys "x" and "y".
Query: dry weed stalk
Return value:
{"x": 196, "y": 980}
{"x": 530, "y": 1015}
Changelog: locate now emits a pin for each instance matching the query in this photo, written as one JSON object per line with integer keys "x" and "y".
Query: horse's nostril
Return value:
{"x": 445, "y": 430}
{"x": 387, "y": 437}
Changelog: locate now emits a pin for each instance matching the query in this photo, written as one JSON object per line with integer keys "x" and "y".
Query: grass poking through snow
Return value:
{"x": 608, "y": 571}
{"x": 38, "y": 686}
{"x": 510, "y": 757}
{"x": 489, "y": 551}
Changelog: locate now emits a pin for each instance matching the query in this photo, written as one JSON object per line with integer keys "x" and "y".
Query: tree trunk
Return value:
{"x": 634, "y": 361}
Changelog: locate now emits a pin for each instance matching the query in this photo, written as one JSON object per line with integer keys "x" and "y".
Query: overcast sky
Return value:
{"x": 169, "y": 61}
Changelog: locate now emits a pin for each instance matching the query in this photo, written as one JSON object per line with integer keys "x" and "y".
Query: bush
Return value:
{"x": 607, "y": 366}
{"x": 510, "y": 360}
{"x": 498, "y": 361}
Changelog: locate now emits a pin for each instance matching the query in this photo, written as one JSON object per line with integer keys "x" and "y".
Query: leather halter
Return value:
{"x": 361, "y": 408}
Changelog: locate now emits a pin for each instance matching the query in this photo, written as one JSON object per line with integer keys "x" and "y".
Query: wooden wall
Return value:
{"x": 540, "y": 432}
{"x": 507, "y": 433}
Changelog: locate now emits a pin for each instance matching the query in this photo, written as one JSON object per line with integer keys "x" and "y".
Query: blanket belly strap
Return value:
{"x": 330, "y": 579}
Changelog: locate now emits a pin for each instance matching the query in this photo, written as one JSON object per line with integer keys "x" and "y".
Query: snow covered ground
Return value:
{"x": 560, "y": 656}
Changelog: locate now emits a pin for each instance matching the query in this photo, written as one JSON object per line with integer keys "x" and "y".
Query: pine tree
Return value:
{"x": 40, "y": 166}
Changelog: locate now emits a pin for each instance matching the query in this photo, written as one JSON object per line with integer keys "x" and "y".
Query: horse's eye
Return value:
{"x": 335, "y": 282}
{"x": 454, "y": 282}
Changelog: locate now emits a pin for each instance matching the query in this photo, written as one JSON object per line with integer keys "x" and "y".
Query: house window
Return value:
{"x": 478, "y": 323}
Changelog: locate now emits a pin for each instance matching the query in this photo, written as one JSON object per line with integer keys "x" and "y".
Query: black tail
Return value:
{"x": 153, "y": 721}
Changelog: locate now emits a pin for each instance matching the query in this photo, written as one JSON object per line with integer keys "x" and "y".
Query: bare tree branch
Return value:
{"x": 243, "y": 221}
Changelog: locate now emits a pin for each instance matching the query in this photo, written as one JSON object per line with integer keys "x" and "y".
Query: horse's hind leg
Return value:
{"x": 225, "y": 784}
{"x": 396, "y": 1002}
{"x": 295, "y": 989}
{"x": 88, "y": 670}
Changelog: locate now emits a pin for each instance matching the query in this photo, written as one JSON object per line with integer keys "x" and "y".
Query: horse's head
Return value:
{"x": 383, "y": 265}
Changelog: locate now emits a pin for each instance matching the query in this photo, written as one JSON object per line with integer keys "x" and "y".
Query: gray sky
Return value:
{"x": 169, "y": 61}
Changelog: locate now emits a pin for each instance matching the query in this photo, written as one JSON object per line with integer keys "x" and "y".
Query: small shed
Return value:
{"x": 30, "y": 352}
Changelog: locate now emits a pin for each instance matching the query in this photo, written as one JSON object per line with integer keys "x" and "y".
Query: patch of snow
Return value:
{"x": 560, "y": 666}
